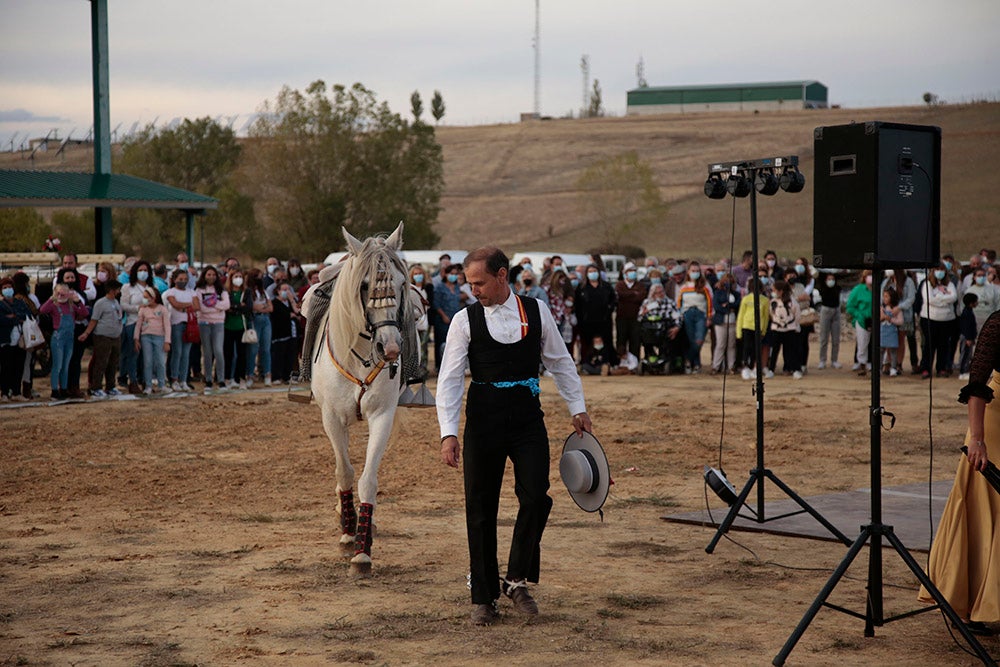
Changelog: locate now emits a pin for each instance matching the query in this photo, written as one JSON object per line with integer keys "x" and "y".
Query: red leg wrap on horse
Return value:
{"x": 348, "y": 517}
{"x": 363, "y": 538}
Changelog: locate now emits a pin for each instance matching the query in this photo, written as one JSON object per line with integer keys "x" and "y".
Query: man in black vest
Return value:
{"x": 505, "y": 339}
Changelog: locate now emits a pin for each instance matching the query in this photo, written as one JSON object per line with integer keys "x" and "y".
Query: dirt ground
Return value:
{"x": 204, "y": 531}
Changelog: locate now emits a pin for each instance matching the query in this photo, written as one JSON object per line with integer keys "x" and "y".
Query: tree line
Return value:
{"x": 315, "y": 160}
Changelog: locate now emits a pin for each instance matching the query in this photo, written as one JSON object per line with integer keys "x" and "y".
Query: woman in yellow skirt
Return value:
{"x": 965, "y": 556}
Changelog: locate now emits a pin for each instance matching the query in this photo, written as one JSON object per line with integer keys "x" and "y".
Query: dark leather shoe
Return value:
{"x": 519, "y": 595}
{"x": 485, "y": 614}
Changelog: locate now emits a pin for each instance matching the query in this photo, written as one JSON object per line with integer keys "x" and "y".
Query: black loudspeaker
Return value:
{"x": 877, "y": 196}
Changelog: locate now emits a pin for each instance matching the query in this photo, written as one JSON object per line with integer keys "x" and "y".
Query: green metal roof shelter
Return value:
{"x": 101, "y": 190}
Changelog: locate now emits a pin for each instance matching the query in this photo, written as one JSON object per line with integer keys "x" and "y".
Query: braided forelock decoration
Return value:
{"x": 349, "y": 320}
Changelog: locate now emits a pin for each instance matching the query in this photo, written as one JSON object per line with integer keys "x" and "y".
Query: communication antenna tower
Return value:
{"x": 538, "y": 60}
{"x": 640, "y": 72}
{"x": 585, "y": 69}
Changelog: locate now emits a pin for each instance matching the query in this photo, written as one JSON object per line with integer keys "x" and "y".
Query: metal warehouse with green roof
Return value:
{"x": 773, "y": 96}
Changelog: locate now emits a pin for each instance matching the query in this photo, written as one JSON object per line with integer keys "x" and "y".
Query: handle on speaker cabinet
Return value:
{"x": 843, "y": 165}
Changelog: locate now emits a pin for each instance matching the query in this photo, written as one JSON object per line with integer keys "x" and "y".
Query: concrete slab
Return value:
{"x": 905, "y": 508}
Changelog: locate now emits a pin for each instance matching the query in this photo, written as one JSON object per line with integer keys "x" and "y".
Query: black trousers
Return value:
{"x": 11, "y": 369}
{"x": 234, "y": 352}
{"x": 484, "y": 456}
{"x": 937, "y": 337}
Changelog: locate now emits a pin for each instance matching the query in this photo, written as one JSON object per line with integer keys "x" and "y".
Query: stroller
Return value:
{"x": 653, "y": 336}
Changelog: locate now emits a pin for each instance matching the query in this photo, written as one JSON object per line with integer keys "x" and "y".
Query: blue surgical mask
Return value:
{"x": 453, "y": 277}
{"x": 980, "y": 280}
{"x": 418, "y": 278}
{"x": 939, "y": 274}
{"x": 695, "y": 275}
{"x": 947, "y": 265}
{"x": 799, "y": 269}
{"x": 630, "y": 275}
{"x": 183, "y": 266}
{"x": 655, "y": 281}
{"x": 574, "y": 282}
{"x": 599, "y": 347}
{"x": 142, "y": 275}
{"x": 764, "y": 280}
{"x": 831, "y": 282}
{"x": 526, "y": 267}
{"x": 8, "y": 292}
{"x": 593, "y": 275}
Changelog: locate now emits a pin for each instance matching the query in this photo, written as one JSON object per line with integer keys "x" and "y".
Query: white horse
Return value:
{"x": 355, "y": 372}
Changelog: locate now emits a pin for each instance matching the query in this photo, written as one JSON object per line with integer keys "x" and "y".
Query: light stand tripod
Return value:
{"x": 874, "y": 532}
{"x": 749, "y": 177}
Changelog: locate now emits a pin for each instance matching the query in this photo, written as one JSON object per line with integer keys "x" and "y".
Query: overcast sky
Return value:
{"x": 192, "y": 58}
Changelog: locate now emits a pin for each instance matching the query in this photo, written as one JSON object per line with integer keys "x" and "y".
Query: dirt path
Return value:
{"x": 203, "y": 531}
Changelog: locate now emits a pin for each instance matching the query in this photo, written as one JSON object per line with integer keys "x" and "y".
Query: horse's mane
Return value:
{"x": 347, "y": 311}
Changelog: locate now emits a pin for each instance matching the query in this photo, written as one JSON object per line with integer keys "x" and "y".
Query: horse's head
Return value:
{"x": 382, "y": 291}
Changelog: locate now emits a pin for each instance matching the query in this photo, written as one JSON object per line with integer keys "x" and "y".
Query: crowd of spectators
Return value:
{"x": 152, "y": 329}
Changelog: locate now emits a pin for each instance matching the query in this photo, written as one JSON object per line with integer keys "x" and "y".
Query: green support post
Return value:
{"x": 102, "y": 116}
{"x": 189, "y": 238}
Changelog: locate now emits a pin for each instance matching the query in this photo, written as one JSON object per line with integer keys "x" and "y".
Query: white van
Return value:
{"x": 614, "y": 264}
{"x": 570, "y": 260}
{"x": 426, "y": 258}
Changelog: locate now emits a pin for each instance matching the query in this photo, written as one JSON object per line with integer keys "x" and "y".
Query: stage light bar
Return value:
{"x": 761, "y": 174}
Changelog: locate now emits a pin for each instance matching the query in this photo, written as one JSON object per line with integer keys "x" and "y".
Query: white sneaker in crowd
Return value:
{"x": 821, "y": 365}
{"x": 893, "y": 372}
{"x": 267, "y": 380}
{"x": 176, "y": 386}
{"x": 856, "y": 367}
{"x": 837, "y": 364}
{"x": 797, "y": 375}
{"x": 243, "y": 384}
{"x": 747, "y": 374}
{"x": 963, "y": 376}
{"x": 186, "y": 387}
{"x": 768, "y": 374}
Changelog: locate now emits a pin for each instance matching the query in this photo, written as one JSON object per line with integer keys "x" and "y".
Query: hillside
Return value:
{"x": 515, "y": 185}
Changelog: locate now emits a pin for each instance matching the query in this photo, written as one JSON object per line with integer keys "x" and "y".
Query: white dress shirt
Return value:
{"x": 504, "y": 324}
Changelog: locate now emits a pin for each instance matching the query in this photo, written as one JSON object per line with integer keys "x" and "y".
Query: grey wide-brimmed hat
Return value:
{"x": 585, "y": 472}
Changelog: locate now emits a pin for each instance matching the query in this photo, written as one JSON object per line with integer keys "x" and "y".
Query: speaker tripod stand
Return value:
{"x": 873, "y": 533}
{"x": 757, "y": 174}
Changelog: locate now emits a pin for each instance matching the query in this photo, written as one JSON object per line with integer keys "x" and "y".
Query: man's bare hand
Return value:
{"x": 450, "y": 451}
{"x": 581, "y": 423}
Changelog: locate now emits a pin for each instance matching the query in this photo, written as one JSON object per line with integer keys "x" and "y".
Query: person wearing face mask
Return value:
{"x": 64, "y": 306}
{"x": 270, "y": 266}
{"x": 859, "y": 314}
{"x": 937, "y": 320}
{"x": 131, "y": 300}
{"x": 444, "y": 261}
{"x": 71, "y": 278}
{"x": 152, "y": 331}
{"x": 296, "y": 276}
{"x": 182, "y": 304}
{"x": 183, "y": 263}
{"x": 105, "y": 272}
{"x": 284, "y": 325}
{"x": 594, "y": 305}
{"x": 559, "y": 296}
{"x": 22, "y": 292}
{"x": 425, "y": 288}
{"x": 13, "y": 313}
{"x": 83, "y": 285}
{"x": 694, "y": 300}
{"x": 234, "y": 349}
{"x": 774, "y": 272}
{"x": 213, "y": 303}
{"x": 904, "y": 286}
{"x": 829, "y": 320}
{"x": 106, "y": 327}
{"x": 987, "y": 294}
{"x": 630, "y": 294}
{"x": 447, "y": 301}
{"x": 530, "y": 287}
